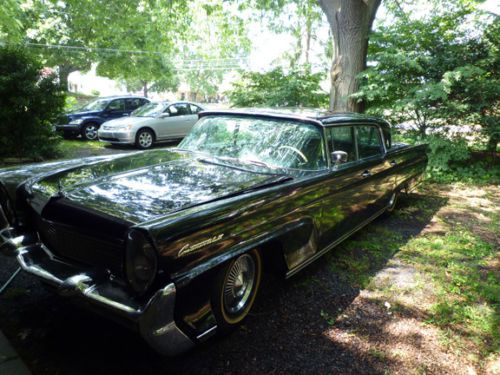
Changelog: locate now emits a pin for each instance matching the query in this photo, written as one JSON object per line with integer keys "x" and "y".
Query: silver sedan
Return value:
{"x": 153, "y": 122}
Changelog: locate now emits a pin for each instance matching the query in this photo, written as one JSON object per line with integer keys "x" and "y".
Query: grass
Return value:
{"x": 444, "y": 264}
{"x": 77, "y": 148}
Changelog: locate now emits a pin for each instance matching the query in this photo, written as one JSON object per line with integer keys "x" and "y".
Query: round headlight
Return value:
{"x": 141, "y": 262}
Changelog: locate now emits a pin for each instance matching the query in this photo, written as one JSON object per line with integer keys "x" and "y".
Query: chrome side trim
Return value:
{"x": 208, "y": 333}
{"x": 333, "y": 244}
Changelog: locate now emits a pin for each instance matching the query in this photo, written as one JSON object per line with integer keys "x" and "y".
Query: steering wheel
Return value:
{"x": 296, "y": 151}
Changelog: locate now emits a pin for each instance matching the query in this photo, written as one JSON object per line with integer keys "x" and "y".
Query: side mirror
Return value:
{"x": 339, "y": 157}
{"x": 164, "y": 114}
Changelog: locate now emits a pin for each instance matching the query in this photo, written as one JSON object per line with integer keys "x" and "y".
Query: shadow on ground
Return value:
{"x": 285, "y": 333}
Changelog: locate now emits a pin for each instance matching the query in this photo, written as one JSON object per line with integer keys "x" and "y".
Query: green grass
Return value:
{"x": 467, "y": 291}
{"x": 75, "y": 148}
{"x": 453, "y": 270}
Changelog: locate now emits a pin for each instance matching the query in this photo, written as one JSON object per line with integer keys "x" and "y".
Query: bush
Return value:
{"x": 277, "y": 88}
{"x": 30, "y": 102}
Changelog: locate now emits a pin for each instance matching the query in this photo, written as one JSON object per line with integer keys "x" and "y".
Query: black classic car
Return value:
{"x": 173, "y": 242}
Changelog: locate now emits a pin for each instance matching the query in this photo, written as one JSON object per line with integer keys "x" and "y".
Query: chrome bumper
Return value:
{"x": 155, "y": 319}
{"x": 116, "y": 137}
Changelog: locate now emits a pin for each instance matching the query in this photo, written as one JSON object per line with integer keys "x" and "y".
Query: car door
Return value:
{"x": 349, "y": 202}
{"x": 131, "y": 104}
{"x": 178, "y": 123}
{"x": 371, "y": 155}
{"x": 115, "y": 109}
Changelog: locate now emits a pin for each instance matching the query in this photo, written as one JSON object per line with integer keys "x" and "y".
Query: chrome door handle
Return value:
{"x": 366, "y": 174}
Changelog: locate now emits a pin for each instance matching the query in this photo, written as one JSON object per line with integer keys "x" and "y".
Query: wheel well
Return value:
{"x": 146, "y": 128}
{"x": 273, "y": 258}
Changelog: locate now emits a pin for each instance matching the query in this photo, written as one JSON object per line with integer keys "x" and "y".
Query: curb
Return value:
{"x": 10, "y": 362}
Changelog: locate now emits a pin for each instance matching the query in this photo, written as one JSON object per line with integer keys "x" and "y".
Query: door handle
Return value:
{"x": 393, "y": 163}
{"x": 366, "y": 174}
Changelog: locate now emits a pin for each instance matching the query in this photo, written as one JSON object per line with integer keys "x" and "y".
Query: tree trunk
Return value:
{"x": 145, "y": 89}
{"x": 350, "y": 22}
{"x": 63, "y": 71}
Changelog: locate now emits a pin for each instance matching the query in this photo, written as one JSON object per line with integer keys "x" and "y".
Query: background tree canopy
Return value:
{"x": 435, "y": 70}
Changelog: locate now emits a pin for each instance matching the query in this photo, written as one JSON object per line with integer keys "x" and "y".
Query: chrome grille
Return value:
{"x": 69, "y": 242}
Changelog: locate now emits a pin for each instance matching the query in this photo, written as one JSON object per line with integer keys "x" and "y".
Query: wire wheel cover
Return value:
{"x": 239, "y": 284}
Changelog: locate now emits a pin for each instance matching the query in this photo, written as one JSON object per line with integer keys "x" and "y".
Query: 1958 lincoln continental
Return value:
{"x": 173, "y": 242}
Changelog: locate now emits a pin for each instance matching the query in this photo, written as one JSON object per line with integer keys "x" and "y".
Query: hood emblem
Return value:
{"x": 188, "y": 248}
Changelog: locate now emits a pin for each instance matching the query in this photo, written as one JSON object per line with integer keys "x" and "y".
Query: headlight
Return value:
{"x": 141, "y": 262}
{"x": 121, "y": 127}
{"x": 77, "y": 121}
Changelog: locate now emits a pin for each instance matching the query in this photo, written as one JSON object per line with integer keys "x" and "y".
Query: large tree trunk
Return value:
{"x": 350, "y": 22}
{"x": 63, "y": 71}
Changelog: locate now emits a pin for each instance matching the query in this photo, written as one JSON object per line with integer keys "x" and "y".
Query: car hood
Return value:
{"x": 82, "y": 114}
{"x": 144, "y": 186}
{"x": 128, "y": 120}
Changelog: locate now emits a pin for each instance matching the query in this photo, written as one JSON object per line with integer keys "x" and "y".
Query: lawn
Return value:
{"x": 429, "y": 280}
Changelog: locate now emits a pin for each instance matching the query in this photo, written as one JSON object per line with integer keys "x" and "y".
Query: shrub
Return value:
{"x": 30, "y": 102}
{"x": 276, "y": 88}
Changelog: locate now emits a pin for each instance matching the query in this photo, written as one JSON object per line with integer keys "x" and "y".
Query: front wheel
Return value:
{"x": 144, "y": 139}
{"x": 235, "y": 289}
{"x": 89, "y": 132}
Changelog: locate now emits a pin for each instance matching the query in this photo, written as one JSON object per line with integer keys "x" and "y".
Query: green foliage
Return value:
{"x": 435, "y": 70}
{"x": 276, "y": 88}
{"x": 443, "y": 151}
{"x": 29, "y": 103}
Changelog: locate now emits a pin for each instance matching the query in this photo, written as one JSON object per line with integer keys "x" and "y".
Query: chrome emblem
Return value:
{"x": 188, "y": 248}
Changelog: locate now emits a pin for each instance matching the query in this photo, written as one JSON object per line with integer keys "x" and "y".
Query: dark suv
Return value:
{"x": 88, "y": 119}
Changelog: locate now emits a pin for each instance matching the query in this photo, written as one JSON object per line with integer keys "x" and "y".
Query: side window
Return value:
{"x": 341, "y": 138}
{"x": 180, "y": 109}
{"x": 369, "y": 143}
{"x": 133, "y": 103}
{"x": 117, "y": 105}
{"x": 194, "y": 109}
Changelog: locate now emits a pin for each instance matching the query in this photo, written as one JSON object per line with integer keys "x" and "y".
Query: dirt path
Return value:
{"x": 413, "y": 293}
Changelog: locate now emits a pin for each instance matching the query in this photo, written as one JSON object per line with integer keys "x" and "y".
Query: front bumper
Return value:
{"x": 120, "y": 137}
{"x": 69, "y": 128}
{"x": 154, "y": 319}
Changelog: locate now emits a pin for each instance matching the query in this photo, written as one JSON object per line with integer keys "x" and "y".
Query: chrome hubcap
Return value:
{"x": 145, "y": 139}
{"x": 239, "y": 284}
{"x": 91, "y": 132}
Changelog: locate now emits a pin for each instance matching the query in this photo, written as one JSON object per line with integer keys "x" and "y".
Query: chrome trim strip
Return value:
{"x": 333, "y": 244}
{"x": 208, "y": 333}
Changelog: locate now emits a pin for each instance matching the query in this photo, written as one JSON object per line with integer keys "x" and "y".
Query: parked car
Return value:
{"x": 87, "y": 120}
{"x": 173, "y": 242}
{"x": 154, "y": 122}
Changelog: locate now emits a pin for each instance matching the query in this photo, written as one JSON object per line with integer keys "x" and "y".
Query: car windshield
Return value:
{"x": 149, "y": 110}
{"x": 96, "y": 105}
{"x": 270, "y": 142}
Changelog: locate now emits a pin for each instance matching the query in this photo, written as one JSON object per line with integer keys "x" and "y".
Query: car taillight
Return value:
{"x": 141, "y": 262}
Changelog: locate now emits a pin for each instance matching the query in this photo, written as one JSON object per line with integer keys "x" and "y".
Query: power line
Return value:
{"x": 115, "y": 50}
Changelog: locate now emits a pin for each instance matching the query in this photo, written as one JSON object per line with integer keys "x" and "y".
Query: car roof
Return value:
{"x": 311, "y": 115}
{"x": 122, "y": 97}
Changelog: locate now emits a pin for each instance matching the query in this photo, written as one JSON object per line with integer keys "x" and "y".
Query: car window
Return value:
{"x": 195, "y": 109}
{"x": 369, "y": 144}
{"x": 179, "y": 109}
{"x": 278, "y": 143}
{"x": 341, "y": 138}
{"x": 133, "y": 103}
{"x": 117, "y": 105}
